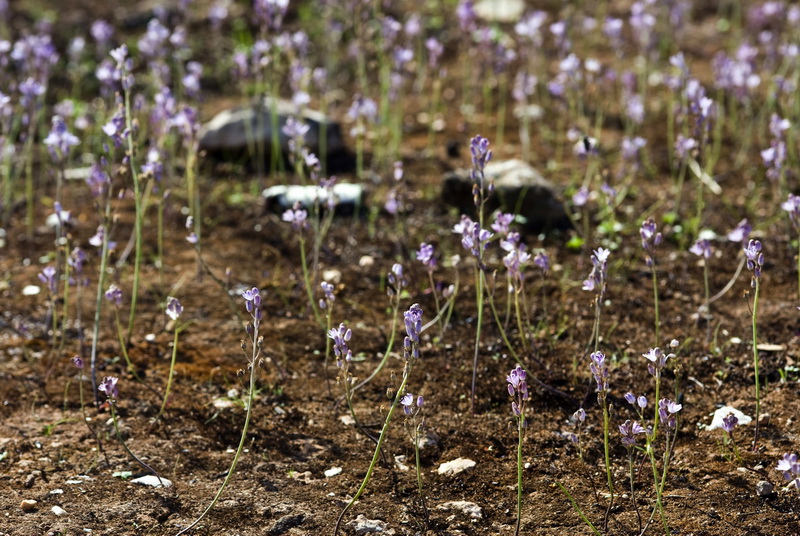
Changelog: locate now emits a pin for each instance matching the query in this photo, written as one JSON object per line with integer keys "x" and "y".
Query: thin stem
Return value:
{"x": 392, "y": 336}
{"x": 479, "y": 300}
{"x": 169, "y": 378}
{"x": 307, "y": 280}
{"x": 755, "y": 363}
{"x": 520, "y": 427}
{"x": 137, "y": 196}
{"x": 578, "y": 509}
{"x": 655, "y": 302}
{"x": 111, "y": 403}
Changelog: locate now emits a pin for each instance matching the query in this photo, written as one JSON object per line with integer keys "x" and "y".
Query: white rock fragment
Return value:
{"x": 764, "y": 488}
{"x": 57, "y": 510}
{"x": 721, "y": 413}
{"x": 152, "y": 481}
{"x": 57, "y": 491}
{"x": 366, "y": 261}
{"x": 362, "y": 525}
{"x": 456, "y": 466}
{"x": 222, "y": 403}
{"x": 500, "y": 10}
{"x": 332, "y": 276}
{"x": 766, "y": 347}
{"x": 347, "y": 420}
{"x": 28, "y": 505}
{"x": 333, "y": 471}
{"x": 31, "y": 290}
{"x": 399, "y": 462}
{"x": 469, "y": 508}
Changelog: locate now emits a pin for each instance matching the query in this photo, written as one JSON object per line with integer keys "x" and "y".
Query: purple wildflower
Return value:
{"x": 701, "y": 248}
{"x": 755, "y": 258}
{"x": 341, "y": 337}
{"x": 174, "y": 308}
{"x": 329, "y": 296}
{"x": 109, "y": 387}
{"x": 657, "y": 361}
{"x": 59, "y": 140}
{"x": 413, "y": 323}
{"x": 502, "y": 221}
{"x": 790, "y": 467}
{"x": 729, "y": 422}
{"x": 600, "y": 372}
{"x": 792, "y": 207}
{"x": 581, "y": 197}
{"x": 741, "y": 232}
{"x": 542, "y": 261}
{"x": 684, "y": 147}
{"x": 666, "y": 412}
{"x": 426, "y": 256}
{"x": 297, "y": 217}
{"x": 396, "y": 279}
{"x": 629, "y": 429}
{"x": 596, "y": 282}
{"x": 517, "y": 388}
{"x": 114, "y": 295}
{"x": 48, "y": 277}
{"x": 78, "y": 362}
{"x": 650, "y": 238}
{"x": 411, "y": 404}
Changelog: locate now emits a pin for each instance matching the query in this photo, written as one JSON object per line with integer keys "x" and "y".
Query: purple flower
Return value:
{"x": 330, "y": 297}
{"x": 792, "y": 206}
{"x": 657, "y": 361}
{"x": 174, "y": 308}
{"x": 410, "y": 403}
{"x": 109, "y": 387}
{"x": 341, "y": 337}
{"x": 270, "y": 13}
{"x": 77, "y": 259}
{"x": 701, "y": 248}
{"x": 502, "y": 221}
{"x": 435, "y": 50}
{"x": 650, "y": 238}
{"x": 78, "y": 362}
{"x": 102, "y": 32}
{"x": 252, "y": 298}
{"x": 481, "y": 154}
{"x": 741, "y": 232}
{"x": 629, "y": 429}
{"x": 684, "y": 147}
{"x": 114, "y": 295}
{"x": 466, "y": 15}
{"x": 755, "y": 258}
{"x": 666, "y": 412}
{"x": 413, "y": 323}
{"x": 517, "y": 388}
{"x": 59, "y": 140}
{"x": 579, "y": 415}
{"x": 596, "y": 282}
{"x": 396, "y": 279}
{"x": 48, "y": 277}
{"x": 542, "y": 261}
{"x": 515, "y": 260}
{"x": 790, "y": 467}
{"x": 729, "y": 422}
{"x": 426, "y": 256}
{"x": 581, "y": 197}
{"x": 600, "y": 372}
{"x": 297, "y": 217}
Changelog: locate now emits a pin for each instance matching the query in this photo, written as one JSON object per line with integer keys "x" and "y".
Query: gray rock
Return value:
{"x": 468, "y": 508}
{"x": 362, "y": 525}
{"x": 285, "y": 523}
{"x": 518, "y": 188}
{"x": 349, "y": 197}
{"x": 764, "y": 488}
{"x": 230, "y": 133}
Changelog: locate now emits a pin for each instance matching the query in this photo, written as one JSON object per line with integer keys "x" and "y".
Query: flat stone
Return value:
{"x": 456, "y": 466}
{"x": 28, "y": 505}
{"x": 349, "y": 198}
{"x": 469, "y": 508}
{"x": 230, "y": 134}
{"x": 285, "y": 523}
{"x": 362, "y": 525}
{"x": 57, "y": 510}
{"x": 152, "y": 481}
{"x": 333, "y": 471}
{"x": 518, "y": 188}
{"x": 500, "y": 10}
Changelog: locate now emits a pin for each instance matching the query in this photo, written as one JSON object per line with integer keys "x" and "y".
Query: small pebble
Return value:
{"x": 57, "y": 510}
{"x": 764, "y": 488}
{"x": 28, "y": 505}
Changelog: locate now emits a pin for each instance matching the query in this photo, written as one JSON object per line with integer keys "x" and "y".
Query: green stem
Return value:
{"x": 755, "y": 363}
{"x": 307, "y": 280}
{"x": 250, "y": 400}
{"x": 578, "y": 509}
{"x": 395, "y": 316}
{"x": 137, "y": 196}
{"x": 479, "y": 300}
{"x": 171, "y": 371}
{"x": 520, "y": 427}
{"x": 111, "y": 403}
{"x": 655, "y": 302}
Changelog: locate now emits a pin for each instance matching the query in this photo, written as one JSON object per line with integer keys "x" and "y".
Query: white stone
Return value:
{"x": 469, "y": 508}
{"x": 57, "y": 491}
{"x": 500, "y": 10}
{"x": 721, "y": 413}
{"x": 332, "y": 276}
{"x": 399, "y": 462}
{"x": 456, "y": 466}
{"x": 366, "y": 261}
{"x": 152, "y": 481}
{"x": 362, "y": 525}
{"x": 57, "y": 510}
{"x": 31, "y": 290}
{"x": 333, "y": 471}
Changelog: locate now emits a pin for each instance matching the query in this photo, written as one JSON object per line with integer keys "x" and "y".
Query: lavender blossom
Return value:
{"x": 790, "y": 467}
{"x": 48, "y": 277}
{"x": 174, "y": 308}
{"x": 109, "y": 387}
{"x": 413, "y": 323}
{"x": 114, "y": 295}
{"x": 741, "y": 232}
{"x": 60, "y": 140}
{"x": 328, "y": 295}
{"x": 426, "y": 256}
{"x": 600, "y": 372}
{"x": 792, "y": 207}
{"x": 396, "y": 279}
{"x": 701, "y": 248}
{"x": 518, "y": 388}
{"x": 729, "y": 422}
{"x": 341, "y": 337}
{"x": 629, "y": 429}
{"x": 502, "y": 221}
{"x": 650, "y": 238}
{"x": 411, "y": 404}
{"x": 657, "y": 361}
{"x": 77, "y": 361}
{"x": 666, "y": 412}
{"x": 542, "y": 261}
{"x": 297, "y": 217}
{"x": 596, "y": 282}
{"x": 755, "y": 258}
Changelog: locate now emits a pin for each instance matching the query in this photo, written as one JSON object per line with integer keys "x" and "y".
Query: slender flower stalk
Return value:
{"x": 413, "y": 323}
{"x": 596, "y": 282}
{"x": 650, "y": 239}
{"x": 600, "y": 372}
{"x": 174, "y": 310}
{"x": 109, "y": 387}
{"x": 755, "y": 261}
{"x": 412, "y": 407}
{"x": 792, "y": 207}
{"x": 252, "y": 299}
{"x": 297, "y": 216}
{"x": 518, "y": 389}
